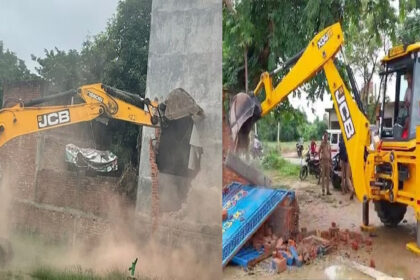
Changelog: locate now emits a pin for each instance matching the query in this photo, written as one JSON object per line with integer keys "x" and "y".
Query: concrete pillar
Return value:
{"x": 185, "y": 50}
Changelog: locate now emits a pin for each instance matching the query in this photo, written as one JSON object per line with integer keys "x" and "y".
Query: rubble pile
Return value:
{"x": 306, "y": 246}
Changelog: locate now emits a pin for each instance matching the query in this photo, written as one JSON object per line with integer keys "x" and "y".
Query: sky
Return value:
{"x": 28, "y": 27}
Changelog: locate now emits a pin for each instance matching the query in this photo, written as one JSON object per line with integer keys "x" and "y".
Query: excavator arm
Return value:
{"x": 319, "y": 55}
{"x": 98, "y": 100}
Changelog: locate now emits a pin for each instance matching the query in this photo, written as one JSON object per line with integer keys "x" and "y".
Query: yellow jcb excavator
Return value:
{"x": 98, "y": 101}
{"x": 384, "y": 172}
{"x": 173, "y": 117}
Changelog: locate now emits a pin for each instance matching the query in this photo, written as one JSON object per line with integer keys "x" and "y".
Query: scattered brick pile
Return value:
{"x": 307, "y": 246}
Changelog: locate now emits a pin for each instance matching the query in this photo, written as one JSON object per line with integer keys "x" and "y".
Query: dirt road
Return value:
{"x": 292, "y": 157}
{"x": 317, "y": 212}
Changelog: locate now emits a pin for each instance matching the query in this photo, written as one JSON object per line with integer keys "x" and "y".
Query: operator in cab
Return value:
{"x": 405, "y": 108}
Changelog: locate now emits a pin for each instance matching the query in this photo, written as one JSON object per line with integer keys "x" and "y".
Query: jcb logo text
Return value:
{"x": 344, "y": 111}
{"x": 53, "y": 119}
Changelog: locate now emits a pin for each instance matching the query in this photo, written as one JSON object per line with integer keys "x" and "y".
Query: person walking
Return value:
{"x": 325, "y": 161}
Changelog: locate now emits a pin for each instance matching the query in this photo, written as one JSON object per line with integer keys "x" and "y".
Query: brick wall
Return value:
{"x": 48, "y": 198}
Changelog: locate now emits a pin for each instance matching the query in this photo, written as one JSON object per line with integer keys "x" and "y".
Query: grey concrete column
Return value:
{"x": 186, "y": 51}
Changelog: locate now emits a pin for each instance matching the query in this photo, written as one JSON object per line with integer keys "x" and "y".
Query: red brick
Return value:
{"x": 224, "y": 215}
{"x": 325, "y": 234}
{"x": 372, "y": 263}
{"x": 291, "y": 242}
{"x": 279, "y": 243}
{"x": 355, "y": 245}
{"x": 279, "y": 264}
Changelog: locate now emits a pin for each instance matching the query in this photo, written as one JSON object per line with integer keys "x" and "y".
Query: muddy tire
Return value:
{"x": 303, "y": 173}
{"x": 390, "y": 214}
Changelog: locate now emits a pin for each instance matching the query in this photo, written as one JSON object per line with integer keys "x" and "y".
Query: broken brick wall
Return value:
{"x": 48, "y": 198}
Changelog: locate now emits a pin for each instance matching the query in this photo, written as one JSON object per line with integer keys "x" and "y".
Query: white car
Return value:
{"x": 334, "y": 137}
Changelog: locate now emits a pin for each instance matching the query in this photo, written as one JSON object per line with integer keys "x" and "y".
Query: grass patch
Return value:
{"x": 77, "y": 273}
{"x": 273, "y": 161}
{"x": 9, "y": 275}
{"x": 283, "y": 147}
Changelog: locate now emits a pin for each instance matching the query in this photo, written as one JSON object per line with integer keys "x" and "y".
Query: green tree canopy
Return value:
{"x": 11, "y": 69}
{"x": 117, "y": 57}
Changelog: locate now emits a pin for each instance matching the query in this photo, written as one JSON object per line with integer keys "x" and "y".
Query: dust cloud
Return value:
{"x": 119, "y": 244}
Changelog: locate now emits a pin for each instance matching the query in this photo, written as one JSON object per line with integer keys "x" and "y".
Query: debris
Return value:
{"x": 371, "y": 272}
{"x": 248, "y": 209}
{"x": 249, "y": 173}
{"x": 279, "y": 264}
{"x": 224, "y": 215}
{"x": 99, "y": 161}
{"x": 355, "y": 245}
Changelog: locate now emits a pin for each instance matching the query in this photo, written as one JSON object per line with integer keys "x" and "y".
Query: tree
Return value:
{"x": 366, "y": 37}
{"x": 62, "y": 69}
{"x": 409, "y": 31}
{"x": 11, "y": 69}
{"x": 117, "y": 57}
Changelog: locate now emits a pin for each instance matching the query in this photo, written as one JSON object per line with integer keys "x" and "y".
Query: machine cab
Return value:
{"x": 400, "y": 89}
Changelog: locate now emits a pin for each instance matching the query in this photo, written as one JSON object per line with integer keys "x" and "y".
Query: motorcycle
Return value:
{"x": 310, "y": 165}
{"x": 336, "y": 172}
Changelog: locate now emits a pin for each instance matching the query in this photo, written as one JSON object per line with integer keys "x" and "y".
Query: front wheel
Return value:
{"x": 390, "y": 214}
{"x": 303, "y": 172}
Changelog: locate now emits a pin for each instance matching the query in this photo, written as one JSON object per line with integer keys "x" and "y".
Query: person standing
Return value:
{"x": 313, "y": 148}
{"x": 325, "y": 161}
{"x": 346, "y": 182}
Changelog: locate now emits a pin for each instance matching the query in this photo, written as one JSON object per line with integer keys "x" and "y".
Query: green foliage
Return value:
{"x": 278, "y": 30}
{"x": 409, "y": 31}
{"x": 273, "y": 161}
{"x": 11, "y": 69}
{"x": 315, "y": 130}
{"x": 293, "y": 125}
{"x": 117, "y": 57}
{"x": 62, "y": 69}
{"x": 275, "y": 30}
{"x": 77, "y": 273}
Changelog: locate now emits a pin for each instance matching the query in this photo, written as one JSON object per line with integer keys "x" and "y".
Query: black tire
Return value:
{"x": 303, "y": 172}
{"x": 390, "y": 214}
{"x": 336, "y": 181}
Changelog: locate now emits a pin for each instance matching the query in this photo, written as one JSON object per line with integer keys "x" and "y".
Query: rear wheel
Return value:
{"x": 336, "y": 181}
{"x": 303, "y": 172}
{"x": 390, "y": 214}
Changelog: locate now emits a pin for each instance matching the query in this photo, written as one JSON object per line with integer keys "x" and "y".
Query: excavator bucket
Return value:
{"x": 244, "y": 111}
{"x": 177, "y": 136}
{"x": 180, "y": 104}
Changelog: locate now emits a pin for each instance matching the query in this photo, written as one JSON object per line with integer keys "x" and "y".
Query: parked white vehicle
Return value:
{"x": 334, "y": 137}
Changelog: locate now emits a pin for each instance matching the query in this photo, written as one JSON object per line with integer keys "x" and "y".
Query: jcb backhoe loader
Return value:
{"x": 173, "y": 116}
{"x": 385, "y": 173}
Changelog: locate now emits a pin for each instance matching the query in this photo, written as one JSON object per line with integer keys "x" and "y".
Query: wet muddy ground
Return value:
{"x": 317, "y": 212}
